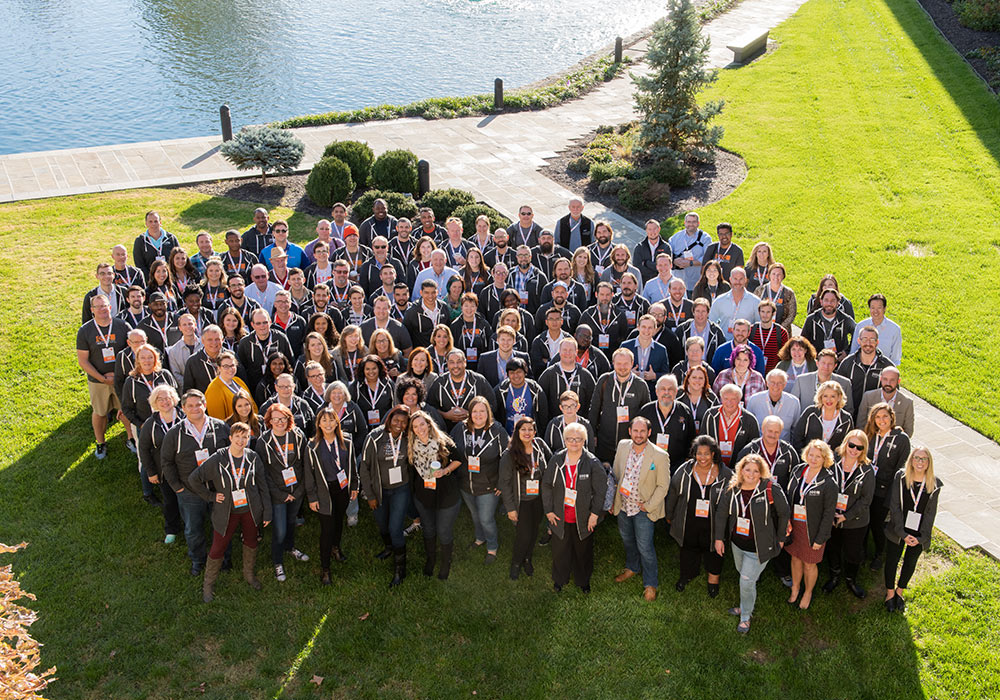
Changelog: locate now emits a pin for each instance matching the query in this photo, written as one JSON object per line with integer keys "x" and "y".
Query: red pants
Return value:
{"x": 220, "y": 542}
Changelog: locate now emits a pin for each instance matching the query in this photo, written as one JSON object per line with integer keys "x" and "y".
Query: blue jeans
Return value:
{"x": 640, "y": 552}
{"x": 750, "y": 569}
{"x": 484, "y": 516}
{"x": 283, "y": 517}
{"x": 194, "y": 512}
{"x": 391, "y": 513}
{"x": 438, "y": 522}
{"x": 147, "y": 487}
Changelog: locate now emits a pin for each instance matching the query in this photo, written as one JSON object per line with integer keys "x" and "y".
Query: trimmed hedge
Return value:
{"x": 599, "y": 172}
{"x": 645, "y": 193}
{"x": 329, "y": 181}
{"x": 468, "y": 213}
{"x": 358, "y": 156}
{"x": 398, "y": 204}
{"x": 395, "y": 171}
{"x": 445, "y": 202}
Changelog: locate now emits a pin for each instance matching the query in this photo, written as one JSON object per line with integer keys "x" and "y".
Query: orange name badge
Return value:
{"x": 200, "y": 456}
{"x": 743, "y": 526}
{"x": 701, "y": 508}
{"x": 474, "y": 464}
{"x": 569, "y": 499}
{"x": 531, "y": 487}
{"x": 108, "y": 354}
{"x": 603, "y": 340}
{"x": 663, "y": 441}
{"x": 799, "y": 513}
{"x": 841, "y": 501}
{"x": 623, "y": 490}
{"x": 622, "y": 414}
{"x": 431, "y": 483}
{"x": 239, "y": 498}
{"x": 342, "y": 478}
{"x": 289, "y": 477}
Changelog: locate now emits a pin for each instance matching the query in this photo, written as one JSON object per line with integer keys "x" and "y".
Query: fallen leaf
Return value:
{"x": 113, "y": 652}
{"x": 364, "y": 617}
{"x": 667, "y": 670}
{"x": 201, "y": 688}
{"x": 317, "y": 680}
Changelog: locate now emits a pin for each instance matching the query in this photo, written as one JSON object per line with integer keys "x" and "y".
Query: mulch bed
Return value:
{"x": 712, "y": 182}
{"x": 962, "y": 38}
{"x": 281, "y": 190}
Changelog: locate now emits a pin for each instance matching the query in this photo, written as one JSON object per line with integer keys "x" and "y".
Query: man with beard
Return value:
{"x": 607, "y": 321}
{"x": 828, "y": 327}
{"x": 501, "y": 252}
{"x": 544, "y": 255}
{"x": 160, "y": 332}
{"x": 562, "y": 271}
{"x": 560, "y": 302}
{"x": 620, "y": 266}
{"x": 527, "y": 279}
{"x": 618, "y": 398}
{"x": 888, "y": 392}
{"x": 725, "y": 252}
{"x": 628, "y": 301}
{"x": 203, "y": 366}
{"x": 600, "y": 250}
{"x": 237, "y": 300}
{"x": 380, "y": 223}
{"x": 401, "y": 246}
{"x": 258, "y": 236}
{"x": 254, "y": 348}
{"x": 428, "y": 228}
{"x": 672, "y": 424}
{"x": 567, "y": 375}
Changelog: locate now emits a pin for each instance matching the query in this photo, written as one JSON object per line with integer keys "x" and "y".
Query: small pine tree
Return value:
{"x": 674, "y": 126}
{"x": 264, "y": 148}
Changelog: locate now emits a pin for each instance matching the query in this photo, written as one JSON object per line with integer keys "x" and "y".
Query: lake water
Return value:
{"x": 85, "y": 72}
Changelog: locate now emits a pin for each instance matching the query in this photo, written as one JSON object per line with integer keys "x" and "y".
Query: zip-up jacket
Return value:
{"x": 591, "y": 487}
{"x": 820, "y": 502}
{"x": 860, "y": 490}
{"x": 514, "y": 482}
{"x": 890, "y": 458}
{"x": 296, "y": 453}
{"x": 376, "y": 462}
{"x": 215, "y": 471}
{"x": 769, "y": 514}
{"x": 927, "y": 507}
{"x": 785, "y": 460}
{"x": 809, "y": 427}
{"x": 683, "y": 488}
{"x": 492, "y": 443}
{"x": 316, "y": 486}
{"x": 151, "y": 436}
{"x": 178, "y": 453}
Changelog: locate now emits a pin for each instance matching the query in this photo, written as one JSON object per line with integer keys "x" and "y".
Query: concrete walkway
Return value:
{"x": 498, "y": 158}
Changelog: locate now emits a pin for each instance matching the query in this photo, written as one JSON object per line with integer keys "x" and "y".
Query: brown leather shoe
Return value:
{"x": 649, "y": 593}
{"x": 624, "y": 575}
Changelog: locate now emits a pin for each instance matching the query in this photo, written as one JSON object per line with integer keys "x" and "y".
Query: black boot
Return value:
{"x": 529, "y": 567}
{"x": 854, "y": 588}
{"x": 515, "y": 571}
{"x": 446, "y": 550}
{"x": 832, "y": 583}
{"x": 399, "y": 567}
{"x": 430, "y": 550}
{"x": 387, "y": 549}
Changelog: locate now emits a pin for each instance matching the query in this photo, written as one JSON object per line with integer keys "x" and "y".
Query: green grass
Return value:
{"x": 863, "y": 122}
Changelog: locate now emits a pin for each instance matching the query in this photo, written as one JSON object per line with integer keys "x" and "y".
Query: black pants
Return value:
{"x": 698, "y": 550}
{"x": 845, "y": 550}
{"x": 570, "y": 554}
{"x": 529, "y": 516}
{"x": 892, "y": 554}
{"x": 877, "y": 525}
{"x": 783, "y": 564}
{"x": 331, "y": 527}
{"x": 172, "y": 523}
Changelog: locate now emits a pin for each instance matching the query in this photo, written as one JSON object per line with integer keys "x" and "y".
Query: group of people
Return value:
{"x": 555, "y": 374}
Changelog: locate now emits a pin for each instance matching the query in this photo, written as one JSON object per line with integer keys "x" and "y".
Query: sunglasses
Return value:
{"x": 854, "y": 446}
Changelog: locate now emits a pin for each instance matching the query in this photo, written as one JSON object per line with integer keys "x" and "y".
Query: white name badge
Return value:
{"x": 531, "y": 487}
{"x": 431, "y": 483}
{"x": 524, "y": 297}
{"x": 200, "y": 456}
{"x": 622, "y": 414}
{"x": 599, "y": 269}
{"x": 841, "y": 501}
{"x": 473, "y": 464}
{"x": 630, "y": 317}
{"x": 623, "y": 490}
{"x": 689, "y": 255}
{"x": 342, "y": 478}
{"x": 799, "y": 513}
{"x": 603, "y": 340}
{"x": 912, "y": 520}
{"x": 663, "y": 441}
{"x": 471, "y": 354}
{"x": 108, "y": 354}
{"x": 701, "y": 508}
{"x": 239, "y": 498}
{"x": 830, "y": 343}
{"x": 289, "y": 476}
{"x": 570, "y": 498}
{"x": 374, "y": 417}
{"x": 395, "y": 475}
{"x": 743, "y": 526}
{"x": 726, "y": 447}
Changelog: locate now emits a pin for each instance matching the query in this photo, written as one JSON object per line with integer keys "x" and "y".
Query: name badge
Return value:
{"x": 471, "y": 354}
{"x": 663, "y": 441}
{"x": 570, "y": 498}
{"x": 622, "y": 414}
{"x": 431, "y": 483}
{"x": 524, "y": 297}
{"x": 531, "y": 487}
{"x": 913, "y": 520}
{"x": 841, "y": 501}
{"x": 289, "y": 476}
{"x": 624, "y": 491}
{"x": 830, "y": 343}
{"x": 108, "y": 355}
{"x": 701, "y": 508}
{"x": 395, "y": 475}
{"x": 603, "y": 340}
{"x": 374, "y": 417}
{"x": 200, "y": 456}
{"x": 799, "y": 513}
{"x": 342, "y": 478}
{"x": 630, "y": 317}
{"x": 726, "y": 447}
{"x": 689, "y": 255}
{"x": 473, "y": 464}
{"x": 599, "y": 269}
{"x": 239, "y": 498}
{"x": 743, "y": 526}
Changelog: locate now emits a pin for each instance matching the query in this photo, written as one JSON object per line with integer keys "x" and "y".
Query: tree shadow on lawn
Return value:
{"x": 217, "y": 214}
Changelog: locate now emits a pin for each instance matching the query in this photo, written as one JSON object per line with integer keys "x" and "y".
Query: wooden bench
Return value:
{"x": 748, "y": 45}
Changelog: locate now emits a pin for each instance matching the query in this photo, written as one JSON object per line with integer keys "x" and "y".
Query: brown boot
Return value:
{"x": 212, "y": 568}
{"x": 249, "y": 561}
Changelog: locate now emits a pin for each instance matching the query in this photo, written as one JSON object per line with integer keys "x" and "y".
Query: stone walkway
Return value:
{"x": 498, "y": 158}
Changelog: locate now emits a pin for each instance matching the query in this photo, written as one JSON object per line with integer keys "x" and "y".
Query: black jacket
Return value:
{"x": 748, "y": 431}
{"x": 489, "y": 366}
{"x": 715, "y": 337}
{"x": 199, "y": 371}
{"x": 151, "y": 436}
{"x": 591, "y": 486}
{"x": 769, "y": 514}
{"x": 554, "y": 381}
{"x": 645, "y": 259}
{"x": 678, "y": 426}
{"x": 513, "y": 482}
{"x": 809, "y": 426}
{"x": 539, "y": 404}
{"x": 489, "y": 445}
{"x": 890, "y": 458}
{"x": 441, "y": 396}
{"x": 841, "y": 333}
{"x": 683, "y": 488}
{"x": 820, "y": 502}
{"x": 609, "y": 395}
{"x": 895, "y": 526}
{"x": 613, "y": 326}
{"x": 862, "y": 377}
{"x": 785, "y": 460}
{"x": 135, "y": 395}
{"x": 215, "y": 472}
{"x": 296, "y": 451}
{"x": 860, "y": 490}
{"x": 317, "y": 487}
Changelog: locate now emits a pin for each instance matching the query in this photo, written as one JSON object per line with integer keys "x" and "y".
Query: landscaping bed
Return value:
{"x": 981, "y": 49}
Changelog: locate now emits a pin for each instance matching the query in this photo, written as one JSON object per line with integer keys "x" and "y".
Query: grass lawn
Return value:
{"x": 888, "y": 157}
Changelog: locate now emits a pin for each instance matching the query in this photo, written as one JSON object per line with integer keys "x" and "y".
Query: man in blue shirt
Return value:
{"x": 296, "y": 255}
{"x": 438, "y": 271}
{"x": 688, "y": 248}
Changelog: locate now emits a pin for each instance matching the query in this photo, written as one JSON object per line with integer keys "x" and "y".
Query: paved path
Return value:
{"x": 498, "y": 158}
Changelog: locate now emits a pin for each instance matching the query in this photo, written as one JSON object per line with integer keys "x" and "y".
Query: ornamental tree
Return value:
{"x": 264, "y": 148}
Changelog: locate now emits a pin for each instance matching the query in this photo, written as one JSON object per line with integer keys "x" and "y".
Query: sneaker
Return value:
{"x": 352, "y": 520}
{"x": 299, "y": 556}
{"x": 169, "y": 539}
{"x": 414, "y": 527}
{"x": 279, "y": 572}
{"x": 130, "y": 444}
{"x": 102, "y": 450}
{"x": 546, "y": 538}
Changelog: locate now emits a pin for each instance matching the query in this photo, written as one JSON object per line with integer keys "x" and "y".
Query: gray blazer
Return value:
{"x": 805, "y": 390}
{"x": 903, "y": 408}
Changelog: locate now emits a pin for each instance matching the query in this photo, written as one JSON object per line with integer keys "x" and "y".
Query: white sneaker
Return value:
{"x": 414, "y": 527}
{"x": 352, "y": 520}
{"x": 300, "y": 556}
{"x": 279, "y": 572}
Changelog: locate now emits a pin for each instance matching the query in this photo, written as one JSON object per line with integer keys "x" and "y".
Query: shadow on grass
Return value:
{"x": 218, "y": 214}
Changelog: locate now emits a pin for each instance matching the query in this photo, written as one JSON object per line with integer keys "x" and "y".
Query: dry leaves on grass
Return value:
{"x": 19, "y": 653}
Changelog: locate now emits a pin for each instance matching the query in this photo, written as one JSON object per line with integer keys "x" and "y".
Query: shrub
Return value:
{"x": 265, "y": 149}
{"x": 599, "y": 172}
{"x": 673, "y": 172}
{"x": 444, "y": 202}
{"x": 982, "y": 15}
{"x": 468, "y": 213}
{"x": 329, "y": 181}
{"x": 358, "y": 156}
{"x": 612, "y": 185}
{"x": 395, "y": 171}
{"x": 20, "y": 653}
{"x": 605, "y": 129}
{"x": 398, "y": 205}
{"x": 580, "y": 165}
{"x": 645, "y": 193}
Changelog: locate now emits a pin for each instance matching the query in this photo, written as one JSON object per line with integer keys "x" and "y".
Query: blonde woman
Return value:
{"x": 812, "y": 494}
{"x": 753, "y": 515}
{"x": 825, "y": 420}
{"x": 349, "y": 353}
{"x": 855, "y": 491}
{"x": 913, "y": 500}
{"x": 760, "y": 260}
{"x": 583, "y": 272}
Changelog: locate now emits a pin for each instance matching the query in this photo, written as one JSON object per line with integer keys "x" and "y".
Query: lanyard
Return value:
{"x": 457, "y": 394}
{"x": 774, "y": 408}
{"x": 237, "y": 474}
{"x": 807, "y": 486}
{"x": 743, "y": 505}
{"x": 485, "y": 444}
{"x": 571, "y": 378}
{"x": 664, "y": 422}
{"x": 916, "y": 499}
{"x": 845, "y": 477}
{"x": 601, "y": 258}
{"x": 199, "y": 437}
{"x": 770, "y": 332}
{"x": 395, "y": 446}
{"x": 570, "y": 475}
{"x": 469, "y": 335}
{"x": 772, "y": 295}
{"x": 376, "y": 394}
{"x": 264, "y": 349}
{"x": 729, "y": 429}
{"x": 282, "y": 448}
{"x": 167, "y": 426}
{"x": 642, "y": 356}
{"x": 515, "y": 399}
{"x": 772, "y": 457}
{"x": 105, "y": 338}
{"x": 622, "y": 390}
{"x": 156, "y": 243}
{"x": 149, "y": 383}
{"x": 603, "y": 322}
{"x": 708, "y": 480}
{"x": 335, "y": 451}
{"x": 675, "y": 313}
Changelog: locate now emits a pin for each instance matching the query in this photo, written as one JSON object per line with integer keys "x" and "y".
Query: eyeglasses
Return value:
{"x": 258, "y": 277}
{"x": 920, "y": 458}
{"x": 573, "y": 440}
{"x": 855, "y": 446}
{"x": 281, "y": 230}
{"x": 228, "y": 365}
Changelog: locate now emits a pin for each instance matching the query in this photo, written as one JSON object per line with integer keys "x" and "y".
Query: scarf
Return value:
{"x": 423, "y": 455}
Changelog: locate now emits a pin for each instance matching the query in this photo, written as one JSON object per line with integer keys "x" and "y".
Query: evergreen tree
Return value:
{"x": 674, "y": 126}
{"x": 264, "y": 148}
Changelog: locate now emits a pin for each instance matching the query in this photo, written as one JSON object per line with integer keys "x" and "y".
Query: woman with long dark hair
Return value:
{"x": 521, "y": 468}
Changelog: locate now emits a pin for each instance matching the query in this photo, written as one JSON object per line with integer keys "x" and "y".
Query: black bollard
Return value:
{"x": 498, "y": 94}
{"x": 423, "y": 178}
{"x": 618, "y": 50}
{"x": 227, "y": 123}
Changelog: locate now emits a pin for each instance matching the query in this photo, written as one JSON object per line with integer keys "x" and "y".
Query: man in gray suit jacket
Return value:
{"x": 890, "y": 394}
{"x": 804, "y": 388}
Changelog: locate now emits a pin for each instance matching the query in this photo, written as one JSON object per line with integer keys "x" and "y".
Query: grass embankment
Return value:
{"x": 848, "y": 177}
